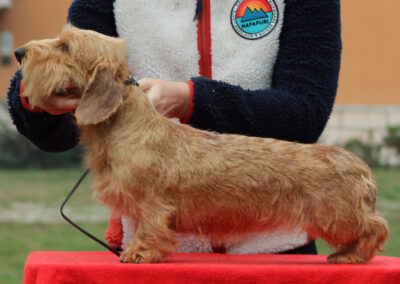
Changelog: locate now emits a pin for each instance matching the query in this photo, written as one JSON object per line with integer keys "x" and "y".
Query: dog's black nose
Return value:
{"x": 19, "y": 54}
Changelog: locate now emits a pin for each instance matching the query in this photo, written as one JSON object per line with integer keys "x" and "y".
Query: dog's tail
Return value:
{"x": 372, "y": 230}
{"x": 363, "y": 233}
{"x": 379, "y": 231}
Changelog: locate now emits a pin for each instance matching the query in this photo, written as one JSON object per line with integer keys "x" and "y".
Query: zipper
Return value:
{"x": 204, "y": 40}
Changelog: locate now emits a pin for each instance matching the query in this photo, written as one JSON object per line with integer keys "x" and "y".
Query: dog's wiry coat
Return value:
{"x": 171, "y": 178}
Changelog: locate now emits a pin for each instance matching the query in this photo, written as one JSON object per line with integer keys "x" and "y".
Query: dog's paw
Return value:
{"x": 129, "y": 257}
{"x": 141, "y": 256}
{"x": 345, "y": 258}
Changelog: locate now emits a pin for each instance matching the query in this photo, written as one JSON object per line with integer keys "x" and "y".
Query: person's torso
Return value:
{"x": 165, "y": 42}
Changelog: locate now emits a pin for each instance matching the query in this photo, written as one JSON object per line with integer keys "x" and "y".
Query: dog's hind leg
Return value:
{"x": 154, "y": 238}
{"x": 366, "y": 245}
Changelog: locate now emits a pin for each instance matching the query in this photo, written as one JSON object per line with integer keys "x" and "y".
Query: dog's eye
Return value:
{"x": 63, "y": 47}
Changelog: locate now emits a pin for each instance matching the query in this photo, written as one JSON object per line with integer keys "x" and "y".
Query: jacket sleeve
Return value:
{"x": 59, "y": 133}
{"x": 49, "y": 133}
{"x": 304, "y": 85}
{"x": 93, "y": 15}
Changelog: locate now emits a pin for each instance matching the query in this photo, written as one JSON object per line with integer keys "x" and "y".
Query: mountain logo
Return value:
{"x": 254, "y": 19}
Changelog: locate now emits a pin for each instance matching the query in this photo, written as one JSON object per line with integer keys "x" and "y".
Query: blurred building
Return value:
{"x": 369, "y": 90}
{"x": 5, "y": 4}
{"x": 368, "y": 98}
{"x": 23, "y": 20}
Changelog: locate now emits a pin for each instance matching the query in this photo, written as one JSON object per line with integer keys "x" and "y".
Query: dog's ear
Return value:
{"x": 100, "y": 101}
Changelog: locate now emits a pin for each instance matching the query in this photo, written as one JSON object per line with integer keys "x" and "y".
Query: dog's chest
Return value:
{"x": 110, "y": 190}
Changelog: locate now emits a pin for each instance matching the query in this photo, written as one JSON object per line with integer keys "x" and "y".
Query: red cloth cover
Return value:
{"x": 114, "y": 233}
{"x": 104, "y": 267}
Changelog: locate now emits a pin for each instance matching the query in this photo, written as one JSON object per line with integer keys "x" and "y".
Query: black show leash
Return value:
{"x": 113, "y": 250}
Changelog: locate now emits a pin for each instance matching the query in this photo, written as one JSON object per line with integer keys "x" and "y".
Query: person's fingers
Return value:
{"x": 171, "y": 99}
{"x": 59, "y": 105}
{"x": 65, "y": 103}
{"x": 154, "y": 96}
{"x": 145, "y": 84}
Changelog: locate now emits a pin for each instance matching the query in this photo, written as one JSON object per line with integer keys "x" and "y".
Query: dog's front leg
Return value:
{"x": 154, "y": 238}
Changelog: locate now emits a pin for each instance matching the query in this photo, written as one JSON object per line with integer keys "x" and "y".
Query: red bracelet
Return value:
{"x": 191, "y": 105}
{"x": 25, "y": 103}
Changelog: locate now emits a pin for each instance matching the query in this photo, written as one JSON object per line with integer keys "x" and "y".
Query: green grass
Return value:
{"x": 48, "y": 188}
{"x": 18, "y": 240}
{"x": 35, "y": 192}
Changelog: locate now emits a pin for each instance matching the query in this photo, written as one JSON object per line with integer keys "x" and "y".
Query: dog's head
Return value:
{"x": 78, "y": 63}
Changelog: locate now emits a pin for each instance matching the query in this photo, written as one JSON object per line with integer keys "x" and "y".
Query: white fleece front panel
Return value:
{"x": 162, "y": 42}
{"x": 162, "y": 37}
{"x": 240, "y": 61}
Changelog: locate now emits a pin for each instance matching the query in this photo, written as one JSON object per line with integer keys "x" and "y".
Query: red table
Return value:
{"x": 104, "y": 267}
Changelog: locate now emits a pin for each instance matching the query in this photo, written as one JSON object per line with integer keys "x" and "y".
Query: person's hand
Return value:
{"x": 56, "y": 105}
{"x": 171, "y": 99}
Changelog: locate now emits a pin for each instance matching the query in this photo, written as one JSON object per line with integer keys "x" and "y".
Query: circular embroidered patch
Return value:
{"x": 254, "y": 19}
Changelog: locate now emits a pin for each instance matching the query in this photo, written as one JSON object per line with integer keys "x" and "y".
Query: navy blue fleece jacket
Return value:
{"x": 296, "y": 107}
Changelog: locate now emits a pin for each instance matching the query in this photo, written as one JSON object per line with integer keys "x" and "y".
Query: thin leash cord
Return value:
{"x": 113, "y": 250}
